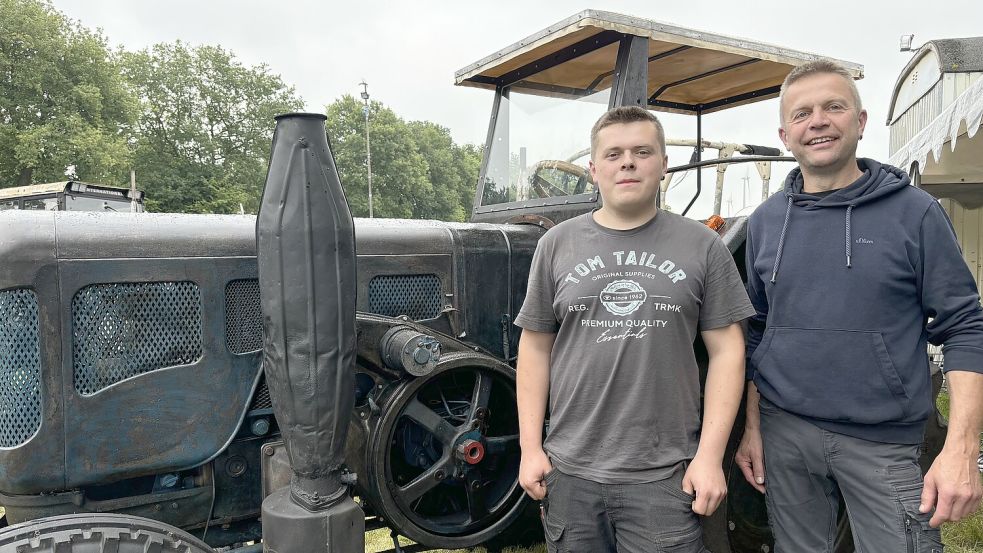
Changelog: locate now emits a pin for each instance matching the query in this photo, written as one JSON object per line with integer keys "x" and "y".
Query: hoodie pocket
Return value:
{"x": 839, "y": 375}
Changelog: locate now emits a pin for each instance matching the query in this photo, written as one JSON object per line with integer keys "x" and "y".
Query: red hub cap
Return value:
{"x": 471, "y": 451}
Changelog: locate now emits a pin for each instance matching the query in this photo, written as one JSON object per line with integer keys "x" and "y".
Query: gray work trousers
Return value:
{"x": 582, "y": 516}
{"x": 808, "y": 470}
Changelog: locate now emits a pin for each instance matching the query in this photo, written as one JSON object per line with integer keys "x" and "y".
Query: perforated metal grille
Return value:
{"x": 243, "y": 318}
{"x": 20, "y": 367}
{"x": 122, "y": 330}
{"x": 262, "y": 398}
{"x": 416, "y": 296}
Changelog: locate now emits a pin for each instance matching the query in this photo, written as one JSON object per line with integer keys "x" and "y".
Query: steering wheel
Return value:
{"x": 547, "y": 189}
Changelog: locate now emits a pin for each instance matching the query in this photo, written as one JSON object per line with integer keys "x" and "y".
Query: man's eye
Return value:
{"x": 799, "y": 115}
{"x": 643, "y": 152}
{"x": 612, "y": 155}
{"x": 836, "y": 107}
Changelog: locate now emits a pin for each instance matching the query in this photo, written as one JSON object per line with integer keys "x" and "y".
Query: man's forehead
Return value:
{"x": 639, "y": 133}
{"x": 808, "y": 89}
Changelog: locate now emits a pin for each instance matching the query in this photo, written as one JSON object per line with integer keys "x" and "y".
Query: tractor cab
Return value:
{"x": 552, "y": 86}
{"x": 71, "y": 196}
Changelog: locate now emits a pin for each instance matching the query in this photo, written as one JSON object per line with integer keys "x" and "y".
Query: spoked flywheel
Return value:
{"x": 447, "y": 454}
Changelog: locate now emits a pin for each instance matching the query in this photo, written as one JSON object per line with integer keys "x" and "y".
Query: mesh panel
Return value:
{"x": 262, "y": 398}
{"x": 122, "y": 330}
{"x": 20, "y": 367}
{"x": 416, "y": 296}
{"x": 243, "y": 318}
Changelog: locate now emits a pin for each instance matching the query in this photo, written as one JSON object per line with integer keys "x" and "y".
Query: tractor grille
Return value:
{"x": 416, "y": 296}
{"x": 262, "y": 398}
{"x": 243, "y": 317}
{"x": 20, "y": 367}
{"x": 122, "y": 330}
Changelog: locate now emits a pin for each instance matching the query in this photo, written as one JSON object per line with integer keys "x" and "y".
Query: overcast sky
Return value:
{"x": 408, "y": 51}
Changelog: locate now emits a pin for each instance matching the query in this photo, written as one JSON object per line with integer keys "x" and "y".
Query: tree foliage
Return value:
{"x": 204, "y": 131}
{"x": 62, "y": 100}
{"x": 196, "y": 125}
{"x": 418, "y": 171}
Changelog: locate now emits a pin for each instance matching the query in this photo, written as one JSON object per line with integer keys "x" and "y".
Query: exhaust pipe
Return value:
{"x": 305, "y": 250}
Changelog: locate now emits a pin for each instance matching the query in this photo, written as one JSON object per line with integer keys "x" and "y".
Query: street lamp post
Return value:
{"x": 368, "y": 149}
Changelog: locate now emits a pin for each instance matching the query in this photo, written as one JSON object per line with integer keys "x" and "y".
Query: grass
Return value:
{"x": 378, "y": 541}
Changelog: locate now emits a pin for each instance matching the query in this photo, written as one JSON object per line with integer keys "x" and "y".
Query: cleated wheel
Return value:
{"x": 446, "y": 454}
{"x": 96, "y": 533}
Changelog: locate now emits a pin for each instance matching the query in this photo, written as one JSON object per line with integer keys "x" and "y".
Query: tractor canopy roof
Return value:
{"x": 689, "y": 71}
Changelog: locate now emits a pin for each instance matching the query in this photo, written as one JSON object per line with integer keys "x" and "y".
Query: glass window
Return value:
{"x": 41, "y": 204}
{"x": 8, "y": 204}
{"x": 541, "y": 146}
{"x": 87, "y": 203}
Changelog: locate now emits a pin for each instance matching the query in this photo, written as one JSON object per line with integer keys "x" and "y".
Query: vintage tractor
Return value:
{"x": 132, "y": 395}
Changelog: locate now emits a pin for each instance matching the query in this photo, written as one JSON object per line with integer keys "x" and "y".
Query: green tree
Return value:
{"x": 452, "y": 169}
{"x": 399, "y": 172}
{"x": 417, "y": 170}
{"x": 205, "y": 127}
{"x": 62, "y": 101}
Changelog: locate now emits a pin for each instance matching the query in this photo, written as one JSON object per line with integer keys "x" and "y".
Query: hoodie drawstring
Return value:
{"x": 781, "y": 239}
{"x": 849, "y": 238}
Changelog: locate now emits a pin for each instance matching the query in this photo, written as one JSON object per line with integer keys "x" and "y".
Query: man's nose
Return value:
{"x": 819, "y": 118}
{"x": 628, "y": 161}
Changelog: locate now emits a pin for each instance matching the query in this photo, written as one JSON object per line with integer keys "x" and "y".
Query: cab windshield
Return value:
{"x": 541, "y": 146}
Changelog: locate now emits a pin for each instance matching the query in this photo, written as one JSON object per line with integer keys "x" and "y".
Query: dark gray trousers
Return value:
{"x": 808, "y": 469}
{"x": 584, "y": 516}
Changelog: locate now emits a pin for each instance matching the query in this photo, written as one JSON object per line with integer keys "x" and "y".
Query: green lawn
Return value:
{"x": 378, "y": 541}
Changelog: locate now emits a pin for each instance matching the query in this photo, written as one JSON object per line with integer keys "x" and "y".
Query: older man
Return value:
{"x": 852, "y": 273}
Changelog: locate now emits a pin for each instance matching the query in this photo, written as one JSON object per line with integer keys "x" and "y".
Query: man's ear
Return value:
{"x": 863, "y": 121}
{"x": 783, "y": 137}
{"x": 593, "y": 170}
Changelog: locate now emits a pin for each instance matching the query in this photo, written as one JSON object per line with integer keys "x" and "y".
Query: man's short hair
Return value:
{"x": 814, "y": 68}
{"x": 624, "y": 115}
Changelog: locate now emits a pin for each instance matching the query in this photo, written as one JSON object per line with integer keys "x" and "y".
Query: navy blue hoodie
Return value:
{"x": 849, "y": 289}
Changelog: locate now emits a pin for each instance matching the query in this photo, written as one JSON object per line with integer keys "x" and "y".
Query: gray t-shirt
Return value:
{"x": 626, "y": 307}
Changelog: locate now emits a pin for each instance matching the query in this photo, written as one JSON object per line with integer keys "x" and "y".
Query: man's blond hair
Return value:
{"x": 624, "y": 115}
{"x": 815, "y": 68}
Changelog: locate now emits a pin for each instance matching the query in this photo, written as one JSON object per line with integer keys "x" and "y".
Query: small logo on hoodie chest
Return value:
{"x": 864, "y": 241}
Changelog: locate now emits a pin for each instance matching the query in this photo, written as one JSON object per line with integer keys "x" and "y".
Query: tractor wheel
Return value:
{"x": 96, "y": 533}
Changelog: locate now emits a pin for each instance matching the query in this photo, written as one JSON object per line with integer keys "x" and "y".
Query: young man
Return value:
{"x": 844, "y": 270}
{"x": 614, "y": 302}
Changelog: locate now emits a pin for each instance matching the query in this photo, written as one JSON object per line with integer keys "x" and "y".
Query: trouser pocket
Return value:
{"x": 919, "y": 536}
{"x": 680, "y": 530}
{"x": 553, "y": 521}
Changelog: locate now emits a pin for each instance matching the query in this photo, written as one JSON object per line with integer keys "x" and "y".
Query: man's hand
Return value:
{"x": 533, "y": 468}
{"x": 952, "y": 487}
{"x": 705, "y": 479}
{"x": 722, "y": 397}
{"x": 750, "y": 457}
